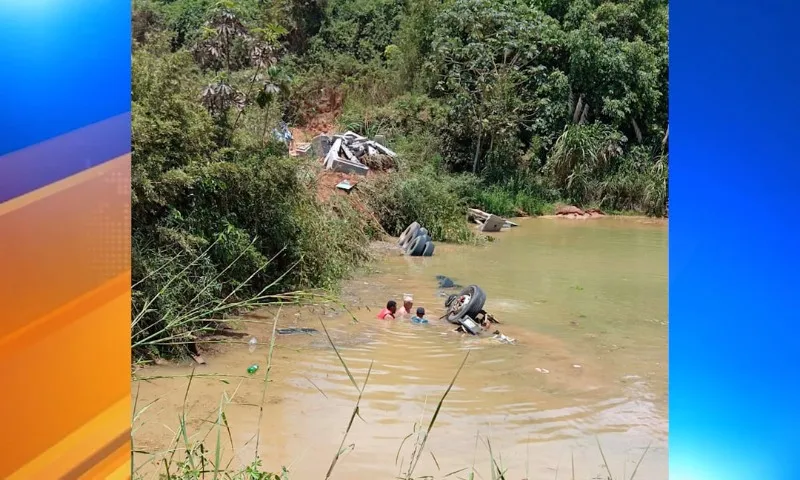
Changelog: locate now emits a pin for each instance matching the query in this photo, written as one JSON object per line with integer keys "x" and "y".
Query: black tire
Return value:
{"x": 408, "y": 233}
{"x": 428, "y": 251}
{"x": 473, "y": 306}
{"x": 420, "y": 232}
{"x": 417, "y": 246}
{"x": 420, "y": 248}
{"x": 450, "y": 300}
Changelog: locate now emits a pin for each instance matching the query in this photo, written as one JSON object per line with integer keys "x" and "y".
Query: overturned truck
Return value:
{"x": 466, "y": 310}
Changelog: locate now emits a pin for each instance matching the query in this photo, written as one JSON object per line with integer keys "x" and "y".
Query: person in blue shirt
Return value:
{"x": 420, "y": 316}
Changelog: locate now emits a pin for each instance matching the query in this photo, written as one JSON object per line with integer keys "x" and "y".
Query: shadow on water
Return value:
{"x": 586, "y": 302}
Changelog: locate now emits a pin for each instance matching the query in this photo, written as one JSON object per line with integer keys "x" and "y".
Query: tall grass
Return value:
{"x": 179, "y": 329}
{"x": 507, "y": 202}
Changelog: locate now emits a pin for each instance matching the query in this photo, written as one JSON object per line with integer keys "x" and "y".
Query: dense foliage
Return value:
{"x": 563, "y": 99}
{"x": 219, "y": 211}
{"x": 505, "y": 105}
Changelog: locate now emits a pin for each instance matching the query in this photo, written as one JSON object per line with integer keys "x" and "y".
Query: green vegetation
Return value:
{"x": 506, "y": 106}
{"x": 543, "y": 100}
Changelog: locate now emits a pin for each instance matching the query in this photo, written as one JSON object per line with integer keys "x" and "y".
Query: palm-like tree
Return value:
{"x": 220, "y": 33}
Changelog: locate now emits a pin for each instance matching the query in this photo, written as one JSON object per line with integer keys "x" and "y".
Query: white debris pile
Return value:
{"x": 351, "y": 153}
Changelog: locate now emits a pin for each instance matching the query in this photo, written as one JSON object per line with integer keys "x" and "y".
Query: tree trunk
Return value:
{"x": 227, "y": 54}
{"x": 585, "y": 113}
{"x": 576, "y": 114}
{"x": 266, "y": 124}
{"x": 637, "y": 130}
{"x": 249, "y": 91}
{"x": 477, "y": 149}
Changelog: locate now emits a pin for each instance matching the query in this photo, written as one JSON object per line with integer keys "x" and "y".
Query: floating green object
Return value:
{"x": 252, "y": 369}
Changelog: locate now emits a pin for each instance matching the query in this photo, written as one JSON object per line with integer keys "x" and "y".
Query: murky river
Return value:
{"x": 586, "y": 302}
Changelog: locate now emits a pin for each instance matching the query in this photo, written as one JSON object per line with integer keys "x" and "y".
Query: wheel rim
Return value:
{"x": 459, "y": 303}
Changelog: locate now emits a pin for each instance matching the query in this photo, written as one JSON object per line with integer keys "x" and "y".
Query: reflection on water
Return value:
{"x": 586, "y": 301}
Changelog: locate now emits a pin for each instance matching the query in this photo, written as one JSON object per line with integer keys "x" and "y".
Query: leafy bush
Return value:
{"x": 400, "y": 198}
{"x": 214, "y": 225}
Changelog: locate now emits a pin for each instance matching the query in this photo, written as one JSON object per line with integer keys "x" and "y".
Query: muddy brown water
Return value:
{"x": 586, "y": 302}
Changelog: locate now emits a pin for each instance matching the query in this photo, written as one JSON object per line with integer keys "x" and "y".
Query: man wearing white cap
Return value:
{"x": 408, "y": 304}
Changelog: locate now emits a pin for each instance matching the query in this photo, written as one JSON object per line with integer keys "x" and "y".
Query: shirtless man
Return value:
{"x": 389, "y": 312}
{"x": 408, "y": 305}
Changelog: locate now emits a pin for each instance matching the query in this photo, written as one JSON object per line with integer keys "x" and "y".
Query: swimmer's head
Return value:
{"x": 408, "y": 302}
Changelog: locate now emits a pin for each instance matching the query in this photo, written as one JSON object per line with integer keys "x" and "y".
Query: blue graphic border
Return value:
{"x": 63, "y": 63}
{"x": 733, "y": 298}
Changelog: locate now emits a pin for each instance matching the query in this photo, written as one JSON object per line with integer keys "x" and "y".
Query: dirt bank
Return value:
{"x": 640, "y": 219}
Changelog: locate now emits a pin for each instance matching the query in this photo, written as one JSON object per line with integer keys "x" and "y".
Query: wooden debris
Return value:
{"x": 481, "y": 218}
{"x": 493, "y": 223}
{"x": 295, "y": 330}
{"x": 349, "y": 154}
{"x": 382, "y": 149}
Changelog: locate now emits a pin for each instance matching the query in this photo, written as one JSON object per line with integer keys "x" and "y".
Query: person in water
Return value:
{"x": 408, "y": 305}
{"x": 420, "y": 316}
{"x": 389, "y": 312}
